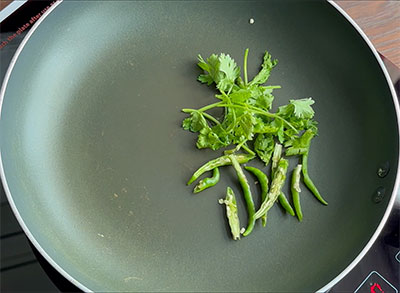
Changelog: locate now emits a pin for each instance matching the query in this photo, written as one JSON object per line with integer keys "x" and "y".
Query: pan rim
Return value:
{"x": 86, "y": 289}
{"x": 14, "y": 208}
{"x": 389, "y": 208}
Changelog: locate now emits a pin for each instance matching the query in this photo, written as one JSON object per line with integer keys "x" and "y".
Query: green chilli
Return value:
{"x": 207, "y": 182}
{"x": 263, "y": 180}
{"x": 247, "y": 194}
{"x": 285, "y": 204}
{"x": 308, "y": 182}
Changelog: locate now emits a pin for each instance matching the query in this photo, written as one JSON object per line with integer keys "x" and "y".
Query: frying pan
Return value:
{"x": 94, "y": 160}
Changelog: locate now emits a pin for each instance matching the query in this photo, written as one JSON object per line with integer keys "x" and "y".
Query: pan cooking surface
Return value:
{"x": 96, "y": 161}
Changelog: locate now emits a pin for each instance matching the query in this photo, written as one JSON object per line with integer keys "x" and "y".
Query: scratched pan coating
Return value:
{"x": 95, "y": 160}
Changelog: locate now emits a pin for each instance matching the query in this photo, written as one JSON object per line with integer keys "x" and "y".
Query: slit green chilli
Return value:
{"x": 282, "y": 197}
{"x": 232, "y": 213}
{"x": 219, "y": 162}
{"x": 207, "y": 182}
{"x": 295, "y": 188}
{"x": 276, "y": 186}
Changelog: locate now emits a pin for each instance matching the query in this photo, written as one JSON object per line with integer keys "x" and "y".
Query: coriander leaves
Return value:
{"x": 247, "y": 107}
{"x": 222, "y": 70}
{"x": 249, "y": 125}
{"x": 264, "y": 73}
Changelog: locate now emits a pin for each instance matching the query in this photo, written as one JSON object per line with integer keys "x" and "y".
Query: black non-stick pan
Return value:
{"x": 94, "y": 159}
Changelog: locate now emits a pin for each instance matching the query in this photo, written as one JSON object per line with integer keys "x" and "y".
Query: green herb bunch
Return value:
{"x": 249, "y": 125}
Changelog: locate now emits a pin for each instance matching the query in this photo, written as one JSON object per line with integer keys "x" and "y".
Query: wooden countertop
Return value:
{"x": 380, "y": 20}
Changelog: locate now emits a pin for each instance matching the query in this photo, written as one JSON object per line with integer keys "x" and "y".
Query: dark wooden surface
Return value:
{"x": 4, "y": 3}
{"x": 380, "y": 20}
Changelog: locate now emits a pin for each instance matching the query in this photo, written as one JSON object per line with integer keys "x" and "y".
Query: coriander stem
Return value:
{"x": 208, "y": 107}
{"x": 187, "y": 110}
{"x": 258, "y": 111}
{"x": 247, "y": 149}
{"x": 241, "y": 144}
{"x": 225, "y": 95}
{"x": 246, "y": 53}
{"x": 228, "y": 101}
{"x": 238, "y": 147}
{"x": 209, "y": 117}
{"x": 272, "y": 115}
{"x": 229, "y": 92}
{"x": 287, "y": 123}
{"x": 252, "y": 108}
{"x": 205, "y": 108}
